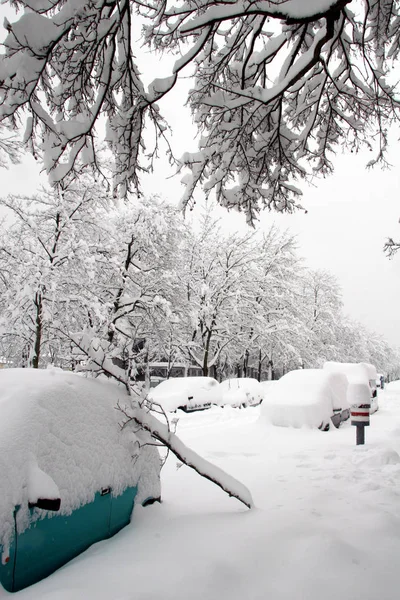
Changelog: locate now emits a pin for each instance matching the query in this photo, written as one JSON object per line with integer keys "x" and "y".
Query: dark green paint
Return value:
{"x": 51, "y": 542}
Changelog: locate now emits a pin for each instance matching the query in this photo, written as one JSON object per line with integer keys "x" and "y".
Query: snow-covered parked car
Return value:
{"x": 358, "y": 374}
{"x": 241, "y": 392}
{"x": 69, "y": 475}
{"x": 307, "y": 398}
{"x": 186, "y": 393}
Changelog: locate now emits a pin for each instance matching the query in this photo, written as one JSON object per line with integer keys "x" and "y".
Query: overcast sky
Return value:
{"x": 349, "y": 215}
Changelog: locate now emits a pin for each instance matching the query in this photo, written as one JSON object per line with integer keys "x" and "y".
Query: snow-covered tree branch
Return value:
{"x": 138, "y": 414}
{"x": 278, "y": 87}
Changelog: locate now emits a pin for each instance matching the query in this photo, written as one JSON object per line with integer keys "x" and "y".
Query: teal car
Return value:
{"x": 70, "y": 476}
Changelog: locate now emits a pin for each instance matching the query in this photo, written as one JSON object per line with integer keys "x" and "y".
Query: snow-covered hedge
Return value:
{"x": 60, "y": 433}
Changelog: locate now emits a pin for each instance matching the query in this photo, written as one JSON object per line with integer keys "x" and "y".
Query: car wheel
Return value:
{"x": 324, "y": 426}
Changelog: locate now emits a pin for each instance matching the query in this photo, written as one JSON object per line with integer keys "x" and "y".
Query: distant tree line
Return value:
{"x": 80, "y": 273}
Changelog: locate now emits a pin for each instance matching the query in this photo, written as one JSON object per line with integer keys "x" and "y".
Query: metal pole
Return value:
{"x": 360, "y": 436}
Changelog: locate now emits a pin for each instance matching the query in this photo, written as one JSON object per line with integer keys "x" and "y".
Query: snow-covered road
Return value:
{"x": 326, "y": 523}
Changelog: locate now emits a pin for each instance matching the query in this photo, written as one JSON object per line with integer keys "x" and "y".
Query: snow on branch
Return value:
{"x": 278, "y": 86}
{"x": 139, "y": 416}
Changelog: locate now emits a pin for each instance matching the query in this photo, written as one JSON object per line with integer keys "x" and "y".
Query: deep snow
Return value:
{"x": 327, "y": 522}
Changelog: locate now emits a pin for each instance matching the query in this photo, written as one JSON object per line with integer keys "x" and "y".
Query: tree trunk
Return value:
{"x": 38, "y": 330}
{"x": 259, "y": 365}
{"x": 205, "y": 364}
{"x": 246, "y": 363}
{"x": 270, "y": 370}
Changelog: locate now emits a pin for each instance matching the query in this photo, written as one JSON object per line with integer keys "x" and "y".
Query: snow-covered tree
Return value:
{"x": 323, "y": 311}
{"x": 136, "y": 281}
{"x": 215, "y": 281}
{"x": 279, "y": 85}
{"x": 266, "y": 309}
{"x": 46, "y": 250}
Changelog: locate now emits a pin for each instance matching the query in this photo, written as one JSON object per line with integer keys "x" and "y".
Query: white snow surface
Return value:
{"x": 304, "y": 398}
{"x": 326, "y": 523}
{"x": 241, "y": 391}
{"x": 60, "y": 437}
{"x": 393, "y": 387}
{"x": 193, "y": 392}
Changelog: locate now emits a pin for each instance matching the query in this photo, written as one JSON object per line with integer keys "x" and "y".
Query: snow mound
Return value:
{"x": 60, "y": 435}
{"x": 378, "y": 458}
{"x": 303, "y": 398}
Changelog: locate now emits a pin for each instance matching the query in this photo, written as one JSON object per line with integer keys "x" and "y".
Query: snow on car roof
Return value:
{"x": 182, "y": 383}
{"x": 372, "y": 374}
{"x": 355, "y": 372}
{"x": 65, "y": 426}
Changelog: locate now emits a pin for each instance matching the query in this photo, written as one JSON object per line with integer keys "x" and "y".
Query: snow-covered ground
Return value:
{"x": 326, "y": 523}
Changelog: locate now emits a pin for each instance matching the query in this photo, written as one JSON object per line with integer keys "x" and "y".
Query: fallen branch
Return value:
{"x": 203, "y": 467}
{"x": 161, "y": 432}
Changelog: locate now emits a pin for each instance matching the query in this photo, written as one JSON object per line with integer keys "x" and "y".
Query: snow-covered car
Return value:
{"x": 69, "y": 475}
{"x": 372, "y": 377}
{"x": 241, "y": 392}
{"x": 186, "y": 393}
{"x": 307, "y": 398}
{"x": 357, "y": 374}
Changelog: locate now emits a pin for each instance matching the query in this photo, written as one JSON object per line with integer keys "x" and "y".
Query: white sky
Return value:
{"x": 349, "y": 215}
